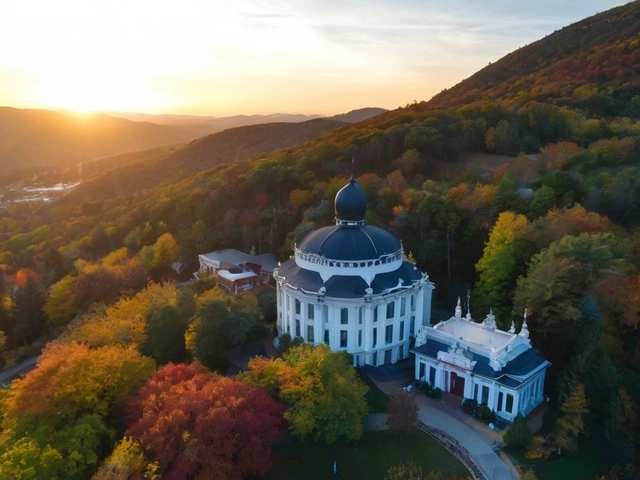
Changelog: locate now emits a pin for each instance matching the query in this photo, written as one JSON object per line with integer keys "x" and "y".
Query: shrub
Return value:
{"x": 469, "y": 406}
{"x": 485, "y": 414}
{"x": 519, "y": 434}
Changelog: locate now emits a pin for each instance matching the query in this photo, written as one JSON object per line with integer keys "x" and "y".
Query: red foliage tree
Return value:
{"x": 200, "y": 425}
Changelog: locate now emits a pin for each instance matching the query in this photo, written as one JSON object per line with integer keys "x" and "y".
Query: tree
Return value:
{"x": 166, "y": 335}
{"x": 165, "y": 250}
{"x": 403, "y": 414}
{"x": 571, "y": 424}
{"x": 221, "y": 321}
{"x": 28, "y": 302}
{"x": 126, "y": 462}
{"x": 502, "y": 262}
{"x": 197, "y": 424}
{"x": 58, "y": 307}
{"x": 324, "y": 395}
{"x": 71, "y": 380}
{"x": 519, "y": 434}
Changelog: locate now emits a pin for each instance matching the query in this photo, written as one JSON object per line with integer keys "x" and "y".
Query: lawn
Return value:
{"x": 368, "y": 458}
{"x": 586, "y": 463}
{"x": 376, "y": 399}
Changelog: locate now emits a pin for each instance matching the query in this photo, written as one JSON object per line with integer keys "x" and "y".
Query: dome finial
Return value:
{"x": 350, "y": 204}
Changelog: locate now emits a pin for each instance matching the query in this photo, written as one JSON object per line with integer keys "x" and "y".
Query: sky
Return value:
{"x": 220, "y": 58}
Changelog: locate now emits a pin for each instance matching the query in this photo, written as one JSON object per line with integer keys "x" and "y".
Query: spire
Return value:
{"x": 490, "y": 322}
{"x": 512, "y": 330}
{"x": 469, "y": 305}
{"x": 524, "y": 331}
{"x": 458, "y": 310}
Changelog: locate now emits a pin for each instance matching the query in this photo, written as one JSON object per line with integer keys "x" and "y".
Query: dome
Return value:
{"x": 351, "y": 203}
{"x": 340, "y": 242}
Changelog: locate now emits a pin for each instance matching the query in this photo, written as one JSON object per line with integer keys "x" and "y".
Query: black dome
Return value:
{"x": 351, "y": 203}
{"x": 341, "y": 242}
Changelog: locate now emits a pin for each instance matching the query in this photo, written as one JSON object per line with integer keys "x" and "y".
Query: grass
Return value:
{"x": 376, "y": 399}
{"x": 586, "y": 463}
{"x": 368, "y": 458}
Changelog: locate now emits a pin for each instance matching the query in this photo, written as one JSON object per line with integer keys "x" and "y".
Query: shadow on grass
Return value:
{"x": 377, "y": 400}
{"x": 367, "y": 458}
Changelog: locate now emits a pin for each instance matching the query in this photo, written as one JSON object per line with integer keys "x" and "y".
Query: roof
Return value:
{"x": 350, "y": 242}
{"x": 235, "y": 276}
{"x": 236, "y": 257}
{"x": 472, "y": 332}
{"x": 351, "y": 203}
{"x": 342, "y": 286}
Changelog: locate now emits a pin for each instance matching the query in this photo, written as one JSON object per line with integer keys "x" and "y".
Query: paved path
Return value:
{"x": 464, "y": 429}
{"x": 23, "y": 367}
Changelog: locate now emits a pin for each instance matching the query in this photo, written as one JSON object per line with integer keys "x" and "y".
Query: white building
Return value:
{"x": 349, "y": 285}
{"x": 237, "y": 271}
{"x": 480, "y": 362}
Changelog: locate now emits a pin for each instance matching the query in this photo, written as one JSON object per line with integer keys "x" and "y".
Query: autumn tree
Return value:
{"x": 197, "y": 424}
{"x": 126, "y": 462}
{"x": 321, "y": 388}
{"x": 403, "y": 414}
{"x": 28, "y": 301}
{"x": 502, "y": 261}
{"x": 571, "y": 424}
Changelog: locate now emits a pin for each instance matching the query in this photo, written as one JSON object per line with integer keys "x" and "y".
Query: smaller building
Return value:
{"x": 480, "y": 362}
{"x": 237, "y": 271}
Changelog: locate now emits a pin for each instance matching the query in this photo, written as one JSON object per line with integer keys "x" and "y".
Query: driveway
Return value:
{"x": 475, "y": 437}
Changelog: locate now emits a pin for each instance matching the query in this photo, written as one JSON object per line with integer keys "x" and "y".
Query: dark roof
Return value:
{"x": 346, "y": 242}
{"x": 343, "y": 286}
{"x": 350, "y": 203}
{"x": 523, "y": 364}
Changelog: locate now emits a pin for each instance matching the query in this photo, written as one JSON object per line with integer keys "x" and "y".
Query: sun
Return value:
{"x": 91, "y": 90}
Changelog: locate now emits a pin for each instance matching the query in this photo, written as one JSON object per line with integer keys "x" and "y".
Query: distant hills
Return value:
{"x": 232, "y": 145}
{"x": 32, "y": 141}
{"x": 48, "y": 139}
{"x": 205, "y": 125}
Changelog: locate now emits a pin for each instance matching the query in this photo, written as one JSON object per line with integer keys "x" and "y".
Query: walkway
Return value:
{"x": 475, "y": 437}
{"x": 10, "y": 373}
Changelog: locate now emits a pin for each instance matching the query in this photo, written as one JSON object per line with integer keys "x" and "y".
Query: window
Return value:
{"x": 499, "y": 409}
{"x": 297, "y": 327}
{"x": 375, "y": 338}
{"x": 375, "y": 359}
{"x": 310, "y": 334}
{"x": 310, "y": 311}
{"x": 359, "y": 338}
{"x": 412, "y": 326}
{"x": 403, "y": 306}
{"x": 401, "y": 331}
{"x": 391, "y": 306}
{"x": 344, "y": 316}
{"x": 375, "y": 314}
{"x": 360, "y": 315}
{"x": 509, "y": 407}
{"x": 423, "y": 367}
{"x": 432, "y": 376}
{"x": 388, "y": 334}
{"x": 297, "y": 307}
{"x": 343, "y": 339}
{"x": 413, "y": 303}
{"x": 485, "y": 395}
{"x": 475, "y": 392}
{"x": 326, "y": 337}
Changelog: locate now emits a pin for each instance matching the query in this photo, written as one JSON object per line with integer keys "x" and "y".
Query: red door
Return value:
{"x": 456, "y": 385}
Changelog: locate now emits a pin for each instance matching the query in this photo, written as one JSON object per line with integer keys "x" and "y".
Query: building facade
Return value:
{"x": 349, "y": 286}
{"x": 480, "y": 362}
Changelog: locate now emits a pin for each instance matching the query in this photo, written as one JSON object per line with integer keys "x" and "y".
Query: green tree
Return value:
{"x": 59, "y": 306}
{"x": 166, "y": 335}
{"x": 221, "y": 321}
{"x": 542, "y": 200}
{"x": 519, "y": 434}
{"x": 321, "y": 388}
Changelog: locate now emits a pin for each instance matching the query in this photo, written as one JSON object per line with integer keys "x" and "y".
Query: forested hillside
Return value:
{"x": 551, "y": 228}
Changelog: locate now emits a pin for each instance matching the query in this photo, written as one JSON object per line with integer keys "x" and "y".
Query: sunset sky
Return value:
{"x": 210, "y": 57}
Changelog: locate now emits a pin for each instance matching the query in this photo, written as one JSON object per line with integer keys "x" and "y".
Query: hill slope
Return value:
{"x": 232, "y": 145}
{"x": 604, "y": 48}
{"x": 43, "y": 138}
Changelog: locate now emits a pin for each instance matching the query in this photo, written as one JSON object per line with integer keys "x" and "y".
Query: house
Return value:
{"x": 480, "y": 362}
{"x": 349, "y": 285}
{"x": 237, "y": 271}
